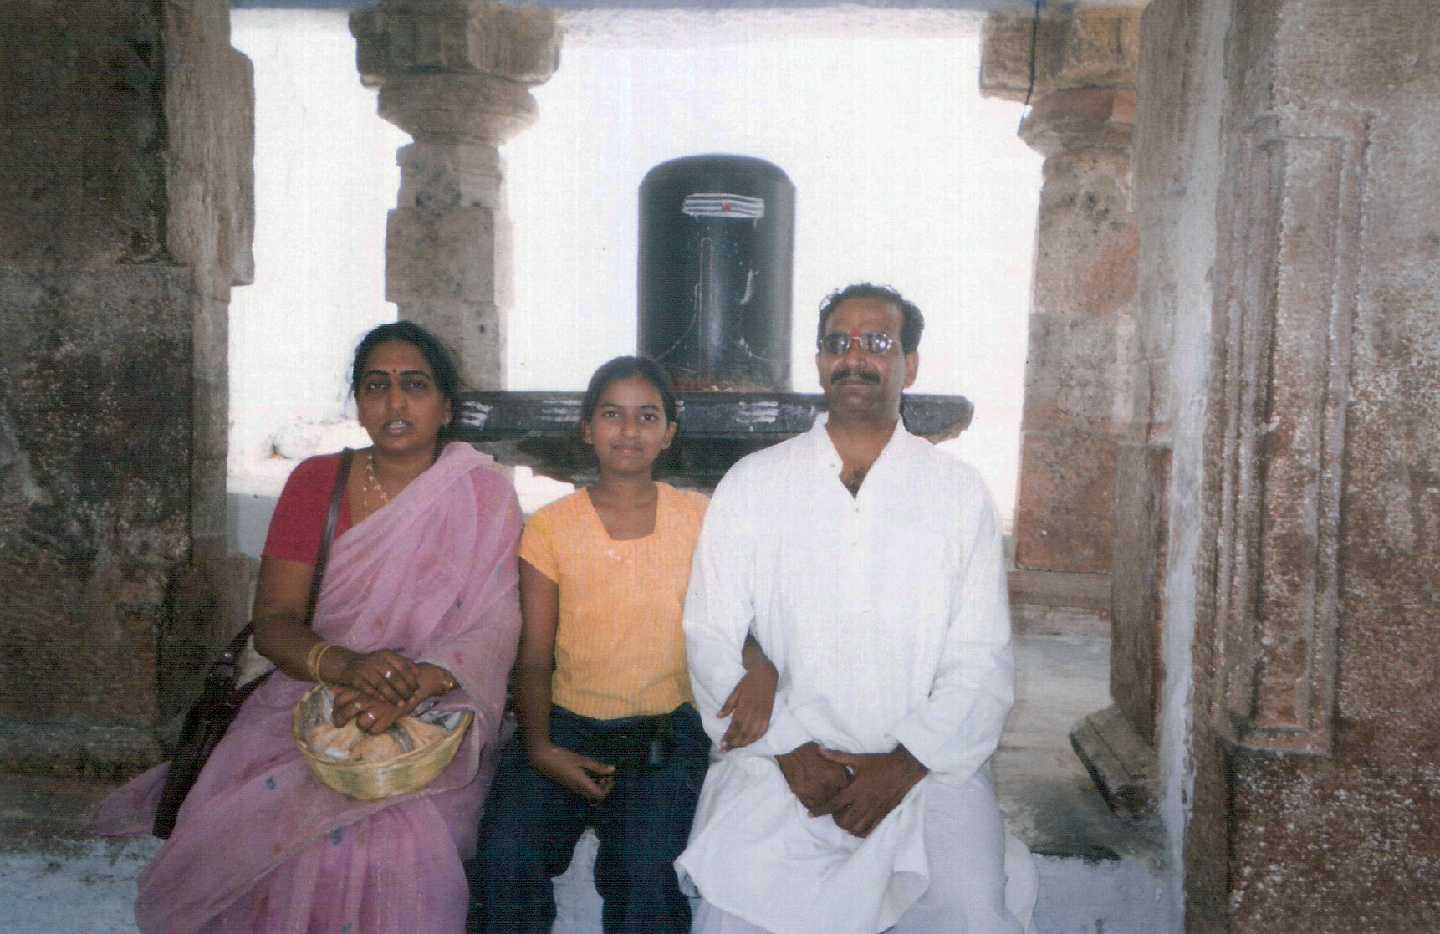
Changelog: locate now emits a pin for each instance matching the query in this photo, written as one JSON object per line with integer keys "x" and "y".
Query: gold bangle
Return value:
{"x": 312, "y": 661}
{"x": 318, "y": 656}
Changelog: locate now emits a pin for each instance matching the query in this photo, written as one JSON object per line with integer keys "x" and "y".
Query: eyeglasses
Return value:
{"x": 837, "y": 343}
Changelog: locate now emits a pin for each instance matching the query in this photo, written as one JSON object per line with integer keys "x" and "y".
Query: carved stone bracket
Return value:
{"x": 1290, "y": 252}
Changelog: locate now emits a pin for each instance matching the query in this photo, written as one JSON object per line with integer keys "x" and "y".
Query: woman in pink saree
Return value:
{"x": 418, "y": 602}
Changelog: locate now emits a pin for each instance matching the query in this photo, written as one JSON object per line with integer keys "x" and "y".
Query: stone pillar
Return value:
{"x": 1080, "y": 323}
{"x": 454, "y": 74}
{"x": 1076, "y": 66}
{"x": 1085, "y": 545}
{"x": 125, "y": 195}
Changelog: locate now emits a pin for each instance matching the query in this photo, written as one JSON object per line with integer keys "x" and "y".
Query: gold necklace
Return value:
{"x": 372, "y": 480}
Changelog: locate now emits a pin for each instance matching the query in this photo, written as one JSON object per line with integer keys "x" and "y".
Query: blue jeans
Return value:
{"x": 531, "y": 825}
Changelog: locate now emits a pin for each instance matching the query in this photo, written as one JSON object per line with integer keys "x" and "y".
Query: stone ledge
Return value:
{"x": 1123, "y": 767}
{"x": 1059, "y": 603}
{"x": 44, "y": 814}
{"x": 1061, "y": 589}
{"x": 69, "y": 751}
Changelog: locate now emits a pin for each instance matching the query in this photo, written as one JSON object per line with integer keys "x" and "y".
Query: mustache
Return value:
{"x": 847, "y": 372}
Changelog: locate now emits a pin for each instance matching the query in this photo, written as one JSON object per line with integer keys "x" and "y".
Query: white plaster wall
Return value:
{"x": 325, "y": 175}
{"x": 904, "y": 176}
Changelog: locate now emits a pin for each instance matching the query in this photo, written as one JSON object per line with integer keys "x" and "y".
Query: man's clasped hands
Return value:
{"x": 856, "y": 790}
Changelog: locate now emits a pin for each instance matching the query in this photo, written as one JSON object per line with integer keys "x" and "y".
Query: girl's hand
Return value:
{"x": 589, "y": 779}
{"x": 749, "y": 706}
{"x": 385, "y": 676}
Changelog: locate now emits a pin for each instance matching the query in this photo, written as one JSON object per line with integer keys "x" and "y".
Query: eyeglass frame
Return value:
{"x": 865, "y": 340}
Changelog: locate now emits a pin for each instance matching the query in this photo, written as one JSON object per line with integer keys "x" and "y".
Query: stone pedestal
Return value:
{"x": 454, "y": 74}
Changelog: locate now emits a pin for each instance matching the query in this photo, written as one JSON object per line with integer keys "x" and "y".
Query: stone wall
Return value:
{"x": 124, "y": 220}
{"x": 1303, "y": 513}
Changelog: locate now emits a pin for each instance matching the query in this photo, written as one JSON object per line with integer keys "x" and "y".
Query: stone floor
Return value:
{"x": 1098, "y": 873}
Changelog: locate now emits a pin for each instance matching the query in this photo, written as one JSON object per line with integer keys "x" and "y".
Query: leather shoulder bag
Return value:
{"x": 220, "y": 696}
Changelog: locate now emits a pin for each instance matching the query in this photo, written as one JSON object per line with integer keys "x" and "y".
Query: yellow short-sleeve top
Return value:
{"x": 619, "y": 649}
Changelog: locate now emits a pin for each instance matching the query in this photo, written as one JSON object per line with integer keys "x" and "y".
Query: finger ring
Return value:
{"x": 388, "y": 674}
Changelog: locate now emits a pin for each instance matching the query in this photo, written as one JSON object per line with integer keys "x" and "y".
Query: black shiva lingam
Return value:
{"x": 716, "y": 242}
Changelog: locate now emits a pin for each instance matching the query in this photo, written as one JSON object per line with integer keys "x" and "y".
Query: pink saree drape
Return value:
{"x": 261, "y": 844}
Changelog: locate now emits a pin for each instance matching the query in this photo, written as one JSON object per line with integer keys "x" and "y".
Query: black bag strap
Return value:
{"x": 332, "y": 515}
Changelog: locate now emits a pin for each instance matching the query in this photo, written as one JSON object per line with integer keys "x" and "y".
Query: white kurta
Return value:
{"x": 887, "y": 617}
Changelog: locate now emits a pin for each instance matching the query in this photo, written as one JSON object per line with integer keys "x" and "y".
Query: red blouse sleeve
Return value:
{"x": 299, "y": 516}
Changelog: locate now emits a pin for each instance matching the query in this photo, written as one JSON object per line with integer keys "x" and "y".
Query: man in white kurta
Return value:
{"x": 873, "y": 578}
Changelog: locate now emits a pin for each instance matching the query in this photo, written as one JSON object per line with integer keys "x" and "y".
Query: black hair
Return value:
{"x": 442, "y": 365}
{"x": 624, "y": 368}
{"x": 912, "y": 323}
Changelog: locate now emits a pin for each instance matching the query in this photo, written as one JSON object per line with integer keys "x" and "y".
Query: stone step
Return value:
{"x": 1098, "y": 872}
{"x": 1078, "y": 895}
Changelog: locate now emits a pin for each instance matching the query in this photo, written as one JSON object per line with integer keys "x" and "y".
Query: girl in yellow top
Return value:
{"x": 609, "y": 735}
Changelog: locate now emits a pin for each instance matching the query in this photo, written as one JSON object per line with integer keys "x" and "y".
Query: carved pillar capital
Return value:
{"x": 456, "y": 68}
{"x": 1083, "y": 46}
{"x": 456, "y": 75}
{"x": 412, "y": 37}
{"x": 1071, "y": 120}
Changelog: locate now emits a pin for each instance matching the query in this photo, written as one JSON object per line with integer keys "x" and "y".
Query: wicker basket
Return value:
{"x": 408, "y": 772}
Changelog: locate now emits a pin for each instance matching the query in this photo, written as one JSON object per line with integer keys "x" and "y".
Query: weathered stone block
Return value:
{"x": 1121, "y": 763}
{"x": 1065, "y": 509}
{"x": 437, "y": 257}
{"x": 473, "y": 330}
{"x": 82, "y": 128}
{"x": 96, "y": 388}
{"x": 407, "y": 37}
{"x": 1090, "y": 45}
{"x": 1137, "y": 670}
{"x": 1075, "y": 374}
{"x": 445, "y": 176}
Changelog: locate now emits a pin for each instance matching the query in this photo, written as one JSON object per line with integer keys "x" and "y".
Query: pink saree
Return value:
{"x": 261, "y": 844}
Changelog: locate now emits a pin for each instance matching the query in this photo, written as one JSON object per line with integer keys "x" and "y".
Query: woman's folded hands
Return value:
{"x": 381, "y": 687}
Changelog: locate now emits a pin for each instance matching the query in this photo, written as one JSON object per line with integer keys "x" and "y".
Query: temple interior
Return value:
{"x": 1225, "y": 563}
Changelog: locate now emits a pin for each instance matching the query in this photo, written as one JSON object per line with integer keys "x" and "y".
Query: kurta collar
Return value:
{"x": 826, "y": 458}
